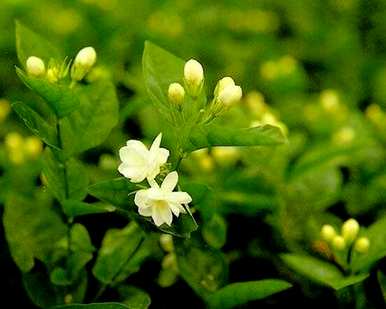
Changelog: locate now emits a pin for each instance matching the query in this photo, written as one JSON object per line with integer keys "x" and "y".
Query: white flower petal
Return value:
{"x": 145, "y": 211}
{"x": 162, "y": 214}
{"x": 177, "y": 209}
{"x": 138, "y": 146}
{"x": 170, "y": 182}
{"x": 141, "y": 198}
{"x": 135, "y": 174}
{"x": 162, "y": 155}
{"x": 179, "y": 197}
{"x": 156, "y": 143}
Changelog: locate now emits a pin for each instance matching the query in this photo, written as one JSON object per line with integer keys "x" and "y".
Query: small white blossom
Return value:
{"x": 139, "y": 162}
{"x": 194, "y": 76}
{"x": 227, "y": 92}
{"x": 35, "y": 66}
{"x": 160, "y": 202}
{"x": 84, "y": 61}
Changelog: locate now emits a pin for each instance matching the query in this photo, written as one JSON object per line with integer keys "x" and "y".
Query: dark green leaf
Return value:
{"x": 133, "y": 297}
{"x": 37, "y": 124}
{"x": 32, "y": 229}
{"x": 320, "y": 271}
{"x": 75, "y": 208}
{"x": 242, "y": 292}
{"x": 62, "y": 99}
{"x": 212, "y": 135}
{"x": 214, "y": 231}
{"x": 94, "y": 306}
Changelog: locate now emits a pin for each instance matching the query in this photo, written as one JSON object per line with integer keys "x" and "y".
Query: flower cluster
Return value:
{"x": 348, "y": 237}
{"x": 159, "y": 201}
{"x": 81, "y": 66}
{"x": 226, "y": 92}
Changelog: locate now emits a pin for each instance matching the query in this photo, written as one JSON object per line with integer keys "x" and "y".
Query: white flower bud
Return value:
{"x": 194, "y": 76}
{"x": 327, "y": 232}
{"x": 362, "y": 245}
{"x": 222, "y": 84}
{"x": 35, "y": 66}
{"x": 350, "y": 230}
{"x": 176, "y": 93}
{"x": 338, "y": 242}
{"x": 229, "y": 95}
{"x": 84, "y": 61}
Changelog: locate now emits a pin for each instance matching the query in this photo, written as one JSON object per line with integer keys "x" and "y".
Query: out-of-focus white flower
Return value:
{"x": 160, "y": 202}
{"x": 194, "y": 76}
{"x": 35, "y": 66}
{"x": 176, "y": 93}
{"x": 84, "y": 61}
{"x": 227, "y": 92}
{"x": 139, "y": 162}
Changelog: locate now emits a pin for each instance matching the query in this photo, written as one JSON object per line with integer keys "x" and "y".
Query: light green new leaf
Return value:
{"x": 242, "y": 292}
{"x": 134, "y": 297}
{"x": 213, "y": 135}
{"x": 94, "y": 306}
{"x": 377, "y": 250}
{"x": 29, "y": 43}
{"x": 202, "y": 267}
{"x": 91, "y": 123}
{"x": 37, "y": 124}
{"x": 65, "y": 180}
{"x": 61, "y": 99}
{"x": 76, "y": 208}
{"x": 320, "y": 271}
{"x": 31, "y": 230}
{"x": 118, "y": 247}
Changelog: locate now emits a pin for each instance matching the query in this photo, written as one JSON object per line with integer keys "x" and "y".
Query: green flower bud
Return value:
{"x": 35, "y": 66}
{"x": 176, "y": 93}
{"x": 350, "y": 230}
{"x": 362, "y": 245}
{"x": 327, "y": 232}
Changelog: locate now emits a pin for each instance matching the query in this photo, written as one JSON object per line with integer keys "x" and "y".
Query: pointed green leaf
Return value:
{"x": 239, "y": 293}
{"x": 76, "y": 208}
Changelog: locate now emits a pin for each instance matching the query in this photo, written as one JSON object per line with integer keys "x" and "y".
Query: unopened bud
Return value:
{"x": 33, "y": 146}
{"x": 84, "y": 61}
{"x": 176, "y": 93}
{"x": 327, "y": 232}
{"x": 362, "y": 245}
{"x": 166, "y": 242}
{"x": 35, "y": 66}
{"x": 350, "y": 230}
{"x": 194, "y": 76}
{"x": 228, "y": 93}
{"x": 52, "y": 75}
{"x": 338, "y": 242}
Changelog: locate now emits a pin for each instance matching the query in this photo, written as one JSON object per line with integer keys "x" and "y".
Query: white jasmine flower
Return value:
{"x": 139, "y": 163}
{"x": 160, "y": 202}
{"x": 84, "y": 61}
{"x": 35, "y": 66}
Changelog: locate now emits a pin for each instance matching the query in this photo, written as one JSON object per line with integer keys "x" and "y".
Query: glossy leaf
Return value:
{"x": 134, "y": 297}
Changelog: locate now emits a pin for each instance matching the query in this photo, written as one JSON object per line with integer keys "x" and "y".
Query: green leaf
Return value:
{"x": 37, "y": 124}
{"x": 75, "y": 208}
{"x": 202, "y": 267}
{"x": 134, "y": 297}
{"x": 29, "y": 43}
{"x": 377, "y": 250}
{"x": 320, "y": 271}
{"x": 31, "y": 229}
{"x": 212, "y": 135}
{"x": 45, "y": 295}
{"x": 214, "y": 231}
{"x": 61, "y": 99}
{"x": 118, "y": 247}
{"x": 90, "y": 124}
{"x": 65, "y": 180}
{"x": 94, "y": 306}
{"x": 242, "y": 292}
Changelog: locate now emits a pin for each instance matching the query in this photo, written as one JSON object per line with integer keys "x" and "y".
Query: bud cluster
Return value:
{"x": 348, "y": 237}
{"x": 20, "y": 149}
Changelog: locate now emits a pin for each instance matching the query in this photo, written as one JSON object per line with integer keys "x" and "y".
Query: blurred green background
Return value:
{"x": 317, "y": 68}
